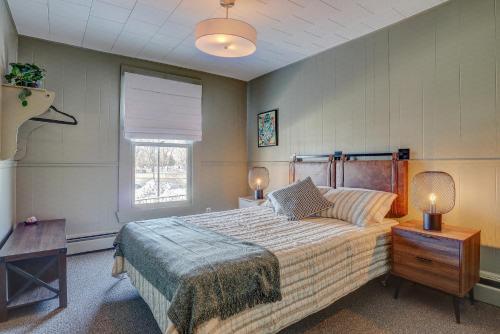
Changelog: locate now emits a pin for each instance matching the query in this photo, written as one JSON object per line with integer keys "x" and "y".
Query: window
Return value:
{"x": 160, "y": 120}
{"x": 161, "y": 172}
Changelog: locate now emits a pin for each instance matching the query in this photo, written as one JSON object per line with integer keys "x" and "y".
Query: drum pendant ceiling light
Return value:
{"x": 225, "y": 37}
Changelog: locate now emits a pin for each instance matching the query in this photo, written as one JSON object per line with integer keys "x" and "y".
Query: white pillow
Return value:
{"x": 267, "y": 203}
{"x": 358, "y": 206}
{"x": 324, "y": 189}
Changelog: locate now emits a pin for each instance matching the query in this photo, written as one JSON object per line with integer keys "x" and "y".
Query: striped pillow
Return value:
{"x": 324, "y": 189}
{"x": 299, "y": 200}
{"x": 358, "y": 206}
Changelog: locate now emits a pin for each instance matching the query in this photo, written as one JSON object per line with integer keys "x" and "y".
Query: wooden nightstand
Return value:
{"x": 249, "y": 201}
{"x": 446, "y": 260}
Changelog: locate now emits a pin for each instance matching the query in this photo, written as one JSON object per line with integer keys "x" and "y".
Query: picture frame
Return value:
{"x": 267, "y": 128}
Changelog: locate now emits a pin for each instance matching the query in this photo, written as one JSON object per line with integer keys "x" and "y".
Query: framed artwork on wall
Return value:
{"x": 267, "y": 128}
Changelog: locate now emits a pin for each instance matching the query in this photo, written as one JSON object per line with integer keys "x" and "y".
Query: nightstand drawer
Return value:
{"x": 441, "y": 250}
{"x": 427, "y": 272}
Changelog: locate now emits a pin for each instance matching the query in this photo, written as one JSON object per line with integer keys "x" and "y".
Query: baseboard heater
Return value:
{"x": 489, "y": 279}
{"x": 91, "y": 237}
{"x": 90, "y": 243}
{"x": 488, "y": 288}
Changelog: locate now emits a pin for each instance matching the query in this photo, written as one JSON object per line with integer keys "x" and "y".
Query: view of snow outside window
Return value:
{"x": 161, "y": 174}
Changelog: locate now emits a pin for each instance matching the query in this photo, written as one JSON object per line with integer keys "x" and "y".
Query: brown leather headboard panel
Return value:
{"x": 384, "y": 175}
{"x": 320, "y": 171}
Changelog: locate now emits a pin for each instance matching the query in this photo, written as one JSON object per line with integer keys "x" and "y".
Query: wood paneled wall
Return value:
{"x": 72, "y": 171}
{"x": 429, "y": 83}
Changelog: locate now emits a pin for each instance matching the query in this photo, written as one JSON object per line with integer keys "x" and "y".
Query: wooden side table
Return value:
{"x": 446, "y": 260}
{"x": 249, "y": 201}
{"x": 33, "y": 257}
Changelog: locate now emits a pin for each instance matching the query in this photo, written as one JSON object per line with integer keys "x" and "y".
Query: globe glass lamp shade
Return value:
{"x": 433, "y": 193}
{"x": 225, "y": 37}
{"x": 258, "y": 180}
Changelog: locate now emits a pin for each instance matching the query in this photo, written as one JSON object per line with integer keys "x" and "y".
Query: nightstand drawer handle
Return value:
{"x": 428, "y": 236}
{"x": 423, "y": 259}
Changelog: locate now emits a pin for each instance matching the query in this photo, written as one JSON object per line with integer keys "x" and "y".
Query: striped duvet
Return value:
{"x": 321, "y": 260}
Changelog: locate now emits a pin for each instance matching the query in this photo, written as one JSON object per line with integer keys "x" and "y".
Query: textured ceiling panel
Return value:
{"x": 163, "y": 30}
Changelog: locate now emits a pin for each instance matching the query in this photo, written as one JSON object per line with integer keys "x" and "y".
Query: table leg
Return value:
{"x": 456, "y": 307}
{"x": 63, "y": 289}
{"x": 3, "y": 291}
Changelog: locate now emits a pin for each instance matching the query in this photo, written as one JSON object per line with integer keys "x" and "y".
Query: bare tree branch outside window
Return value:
{"x": 161, "y": 173}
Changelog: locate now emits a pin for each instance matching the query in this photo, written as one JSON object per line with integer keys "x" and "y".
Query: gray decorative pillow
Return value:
{"x": 322, "y": 189}
{"x": 300, "y": 200}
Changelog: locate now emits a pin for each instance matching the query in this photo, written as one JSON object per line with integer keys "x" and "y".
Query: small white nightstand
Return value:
{"x": 249, "y": 201}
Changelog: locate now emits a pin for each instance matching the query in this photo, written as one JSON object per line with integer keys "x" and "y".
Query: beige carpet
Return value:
{"x": 98, "y": 303}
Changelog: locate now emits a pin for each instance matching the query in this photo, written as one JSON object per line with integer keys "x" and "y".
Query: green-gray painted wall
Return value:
{"x": 72, "y": 171}
{"x": 429, "y": 83}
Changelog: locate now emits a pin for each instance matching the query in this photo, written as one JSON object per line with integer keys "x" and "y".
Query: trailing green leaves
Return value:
{"x": 25, "y": 92}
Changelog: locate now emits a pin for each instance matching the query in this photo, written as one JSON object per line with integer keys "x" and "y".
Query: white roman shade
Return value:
{"x": 158, "y": 108}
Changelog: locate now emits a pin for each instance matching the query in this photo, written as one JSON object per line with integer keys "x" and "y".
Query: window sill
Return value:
{"x": 143, "y": 213}
{"x": 161, "y": 206}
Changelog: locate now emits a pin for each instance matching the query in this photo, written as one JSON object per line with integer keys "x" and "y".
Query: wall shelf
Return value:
{"x": 13, "y": 135}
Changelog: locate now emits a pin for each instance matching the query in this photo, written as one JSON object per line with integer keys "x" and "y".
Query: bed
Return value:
{"x": 320, "y": 259}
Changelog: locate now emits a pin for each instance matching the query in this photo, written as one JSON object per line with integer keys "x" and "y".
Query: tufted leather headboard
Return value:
{"x": 341, "y": 170}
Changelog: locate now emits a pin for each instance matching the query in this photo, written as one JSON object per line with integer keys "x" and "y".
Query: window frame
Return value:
{"x": 126, "y": 210}
{"x": 189, "y": 176}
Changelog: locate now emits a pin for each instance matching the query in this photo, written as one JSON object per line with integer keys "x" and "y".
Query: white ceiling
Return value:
{"x": 163, "y": 30}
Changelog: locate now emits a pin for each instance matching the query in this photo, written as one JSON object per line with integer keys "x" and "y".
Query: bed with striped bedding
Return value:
{"x": 321, "y": 260}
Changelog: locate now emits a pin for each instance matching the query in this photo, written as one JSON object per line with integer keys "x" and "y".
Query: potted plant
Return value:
{"x": 26, "y": 76}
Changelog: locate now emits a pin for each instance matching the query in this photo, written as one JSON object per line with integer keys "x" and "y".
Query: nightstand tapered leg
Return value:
{"x": 398, "y": 286}
{"x": 471, "y": 296}
{"x": 456, "y": 307}
{"x": 385, "y": 280}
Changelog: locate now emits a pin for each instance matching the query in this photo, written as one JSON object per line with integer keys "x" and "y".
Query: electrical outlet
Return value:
{"x": 207, "y": 210}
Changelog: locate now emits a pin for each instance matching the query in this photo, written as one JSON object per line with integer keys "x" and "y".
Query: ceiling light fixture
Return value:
{"x": 225, "y": 37}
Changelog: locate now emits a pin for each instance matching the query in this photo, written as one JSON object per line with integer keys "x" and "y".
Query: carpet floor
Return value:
{"x": 99, "y": 303}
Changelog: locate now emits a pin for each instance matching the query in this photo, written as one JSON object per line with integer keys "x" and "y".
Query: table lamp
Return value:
{"x": 258, "y": 180}
{"x": 434, "y": 194}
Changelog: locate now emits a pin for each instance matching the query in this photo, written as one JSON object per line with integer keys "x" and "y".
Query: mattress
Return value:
{"x": 321, "y": 260}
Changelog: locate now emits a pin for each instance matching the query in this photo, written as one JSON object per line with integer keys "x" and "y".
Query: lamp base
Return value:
{"x": 259, "y": 194}
{"x": 432, "y": 221}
